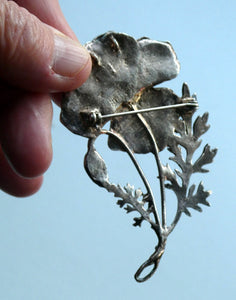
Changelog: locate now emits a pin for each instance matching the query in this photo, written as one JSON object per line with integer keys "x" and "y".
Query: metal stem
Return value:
{"x": 157, "y": 224}
{"x": 159, "y": 167}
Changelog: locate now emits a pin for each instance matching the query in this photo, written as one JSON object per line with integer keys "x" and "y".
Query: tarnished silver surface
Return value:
{"x": 124, "y": 73}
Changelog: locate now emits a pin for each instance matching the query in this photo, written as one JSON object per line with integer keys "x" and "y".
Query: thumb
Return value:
{"x": 37, "y": 57}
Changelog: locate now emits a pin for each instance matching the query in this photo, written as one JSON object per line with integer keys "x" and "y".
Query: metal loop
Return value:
{"x": 147, "y": 263}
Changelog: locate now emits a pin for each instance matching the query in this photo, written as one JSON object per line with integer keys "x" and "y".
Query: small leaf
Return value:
{"x": 121, "y": 203}
{"x": 178, "y": 159}
{"x": 180, "y": 128}
{"x": 138, "y": 193}
{"x": 138, "y": 221}
{"x": 151, "y": 209}
{"x": 186, "y": 211}
{"x": 129, "y": 189}
{"x": 205, "y": 158}
{"x": 200, "y": 126}
{"x": 193, "y": 201}
{"x": 129, "y": 209}
{"x": 198, "y": 208}
{"x": 191, "y": 190}
{"x": 202, "y": 195}
{"x": 181, "y": 175}
{"x": 147, "y": 198}
{"x": 168, "y": 173}
{"x": 95, "y": 166}
{"x": 185, "y": 90}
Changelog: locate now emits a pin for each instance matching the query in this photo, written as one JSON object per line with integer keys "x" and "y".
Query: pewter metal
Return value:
{"x": 142, "y": 119}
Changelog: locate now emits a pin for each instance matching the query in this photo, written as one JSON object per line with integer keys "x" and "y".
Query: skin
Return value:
{"x": 27, "y": 87}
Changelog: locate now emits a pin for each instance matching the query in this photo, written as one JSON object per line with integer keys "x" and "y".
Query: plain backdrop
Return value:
{"x": 71, "y": 241}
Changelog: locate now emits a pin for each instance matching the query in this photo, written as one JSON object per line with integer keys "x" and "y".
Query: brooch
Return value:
{"x": 142, "y": 119}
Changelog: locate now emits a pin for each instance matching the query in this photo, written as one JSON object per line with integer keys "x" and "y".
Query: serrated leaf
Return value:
{"x": 193, "y": 201}
{"x": 205, "y": 158}
{"x": 202, "y": 195}
{"x": 129, "y": 189}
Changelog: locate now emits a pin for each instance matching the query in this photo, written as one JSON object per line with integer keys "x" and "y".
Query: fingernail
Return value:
{"x": 69, "y": 56}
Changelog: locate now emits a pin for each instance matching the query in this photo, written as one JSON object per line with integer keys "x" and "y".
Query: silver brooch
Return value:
{"x": 143, "y": 119}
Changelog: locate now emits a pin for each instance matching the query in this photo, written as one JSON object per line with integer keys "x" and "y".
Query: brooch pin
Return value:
{"x": 143, "y": 119}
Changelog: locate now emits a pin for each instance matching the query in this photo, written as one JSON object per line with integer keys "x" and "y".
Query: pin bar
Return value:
{"x": 140, "y": 111}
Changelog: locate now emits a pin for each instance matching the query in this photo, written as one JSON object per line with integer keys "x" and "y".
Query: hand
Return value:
{"x": 35, "y": 61}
